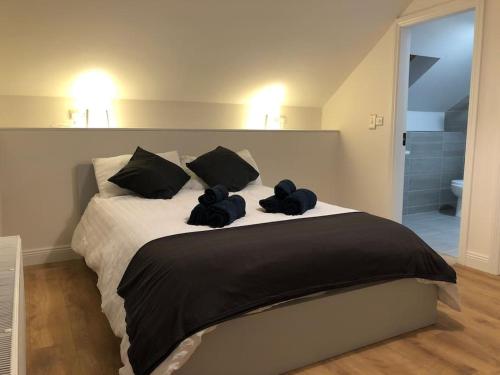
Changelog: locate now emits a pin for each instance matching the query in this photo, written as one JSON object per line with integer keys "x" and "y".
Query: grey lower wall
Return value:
{"x": 40, "y": 186}
{"x": 435, "y": 159}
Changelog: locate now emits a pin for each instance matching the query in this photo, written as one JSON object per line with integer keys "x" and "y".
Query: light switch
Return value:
{"x": 373, "y": 122}
{"x": 379, "y": 120}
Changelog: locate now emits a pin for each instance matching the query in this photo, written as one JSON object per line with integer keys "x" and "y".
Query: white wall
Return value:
{"x": 49, "y": 112}
{"x": 175, "y": 62}
{"x": 424, "y": 121}
{"x": 217, "y": 51}
{"x": 364, "y": 157}
{"x": 451, "y": 39}
{"x": 484, "y": 221}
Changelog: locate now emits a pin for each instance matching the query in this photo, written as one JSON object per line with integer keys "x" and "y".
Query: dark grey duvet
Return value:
{"x": 178, "y": 285}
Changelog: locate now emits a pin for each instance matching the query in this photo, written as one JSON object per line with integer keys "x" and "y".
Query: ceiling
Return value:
{"x": 186, "y": 50}
{"x": 447, "y": 82}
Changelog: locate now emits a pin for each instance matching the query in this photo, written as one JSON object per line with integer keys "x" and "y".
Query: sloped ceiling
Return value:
{"x": 451, "y": 39}
{"x": 205, "y": 50}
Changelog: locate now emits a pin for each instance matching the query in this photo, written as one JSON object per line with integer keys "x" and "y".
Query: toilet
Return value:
{"x": 457, "y": 187}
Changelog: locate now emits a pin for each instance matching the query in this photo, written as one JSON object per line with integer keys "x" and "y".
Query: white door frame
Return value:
{"x": 400, "y": 104}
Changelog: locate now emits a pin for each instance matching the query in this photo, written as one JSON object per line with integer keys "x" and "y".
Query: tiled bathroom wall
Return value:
{"x": 456, "y": 121}
{"x": 433, "y": 160}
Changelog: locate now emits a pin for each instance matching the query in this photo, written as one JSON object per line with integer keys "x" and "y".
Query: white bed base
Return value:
{"x": 300, "y": 333}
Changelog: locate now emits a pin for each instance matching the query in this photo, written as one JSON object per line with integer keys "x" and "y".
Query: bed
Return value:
{"x": 269, "y": 340}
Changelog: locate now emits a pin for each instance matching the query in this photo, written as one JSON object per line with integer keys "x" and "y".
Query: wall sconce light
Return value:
{"x": 275, "y": 123}
{"x": 264, "y": 110}
{"x": 93, "y": 93}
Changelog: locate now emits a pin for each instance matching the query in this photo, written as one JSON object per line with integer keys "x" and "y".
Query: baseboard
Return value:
{"x": 478, "y": 261}
{"x": 48, "y": 255}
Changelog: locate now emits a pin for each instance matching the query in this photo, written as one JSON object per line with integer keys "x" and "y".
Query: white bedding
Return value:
{"x": 113, "y": 229}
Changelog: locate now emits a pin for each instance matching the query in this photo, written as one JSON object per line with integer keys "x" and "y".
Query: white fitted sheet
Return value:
{"x": 113, "y": 229}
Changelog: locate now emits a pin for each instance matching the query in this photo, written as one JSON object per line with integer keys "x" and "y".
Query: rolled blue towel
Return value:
{"x": 284, "y": 188}
{"x": 199, "y": 215}
{"x": 225, "y": 212}
{"x": 213, "y": 195}
{"x": 299, "y": 202}
{"x": 272, "y": 204}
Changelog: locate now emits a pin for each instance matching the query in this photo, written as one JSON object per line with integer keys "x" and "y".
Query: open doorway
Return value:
{"x": 439, "y": 59}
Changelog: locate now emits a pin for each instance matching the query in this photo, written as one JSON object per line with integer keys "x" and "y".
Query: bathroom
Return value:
{"x": 436, "y": 129}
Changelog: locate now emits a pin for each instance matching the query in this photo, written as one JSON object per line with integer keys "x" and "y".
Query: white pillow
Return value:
{"x": 196, "y": 183}
{"x": 247, "y": 156}
{"x": 105, "y": 168}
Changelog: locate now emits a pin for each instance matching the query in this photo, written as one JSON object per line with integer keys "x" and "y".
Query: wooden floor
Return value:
{"x": 68, "y": 334}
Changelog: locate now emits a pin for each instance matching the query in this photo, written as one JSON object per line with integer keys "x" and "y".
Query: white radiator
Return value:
{"x": 12, "y": 314}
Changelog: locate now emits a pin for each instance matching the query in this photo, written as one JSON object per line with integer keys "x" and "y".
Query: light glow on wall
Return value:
{"x": 264, "y": 108}
{"x": 93, "y": 93}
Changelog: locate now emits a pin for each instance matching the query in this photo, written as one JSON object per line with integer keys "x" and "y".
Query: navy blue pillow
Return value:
{"x": 151, "y": 176}
{"x": 223, "y": 167}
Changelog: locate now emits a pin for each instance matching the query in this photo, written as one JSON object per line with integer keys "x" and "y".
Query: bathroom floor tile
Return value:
{"x": 440, "y": 231}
